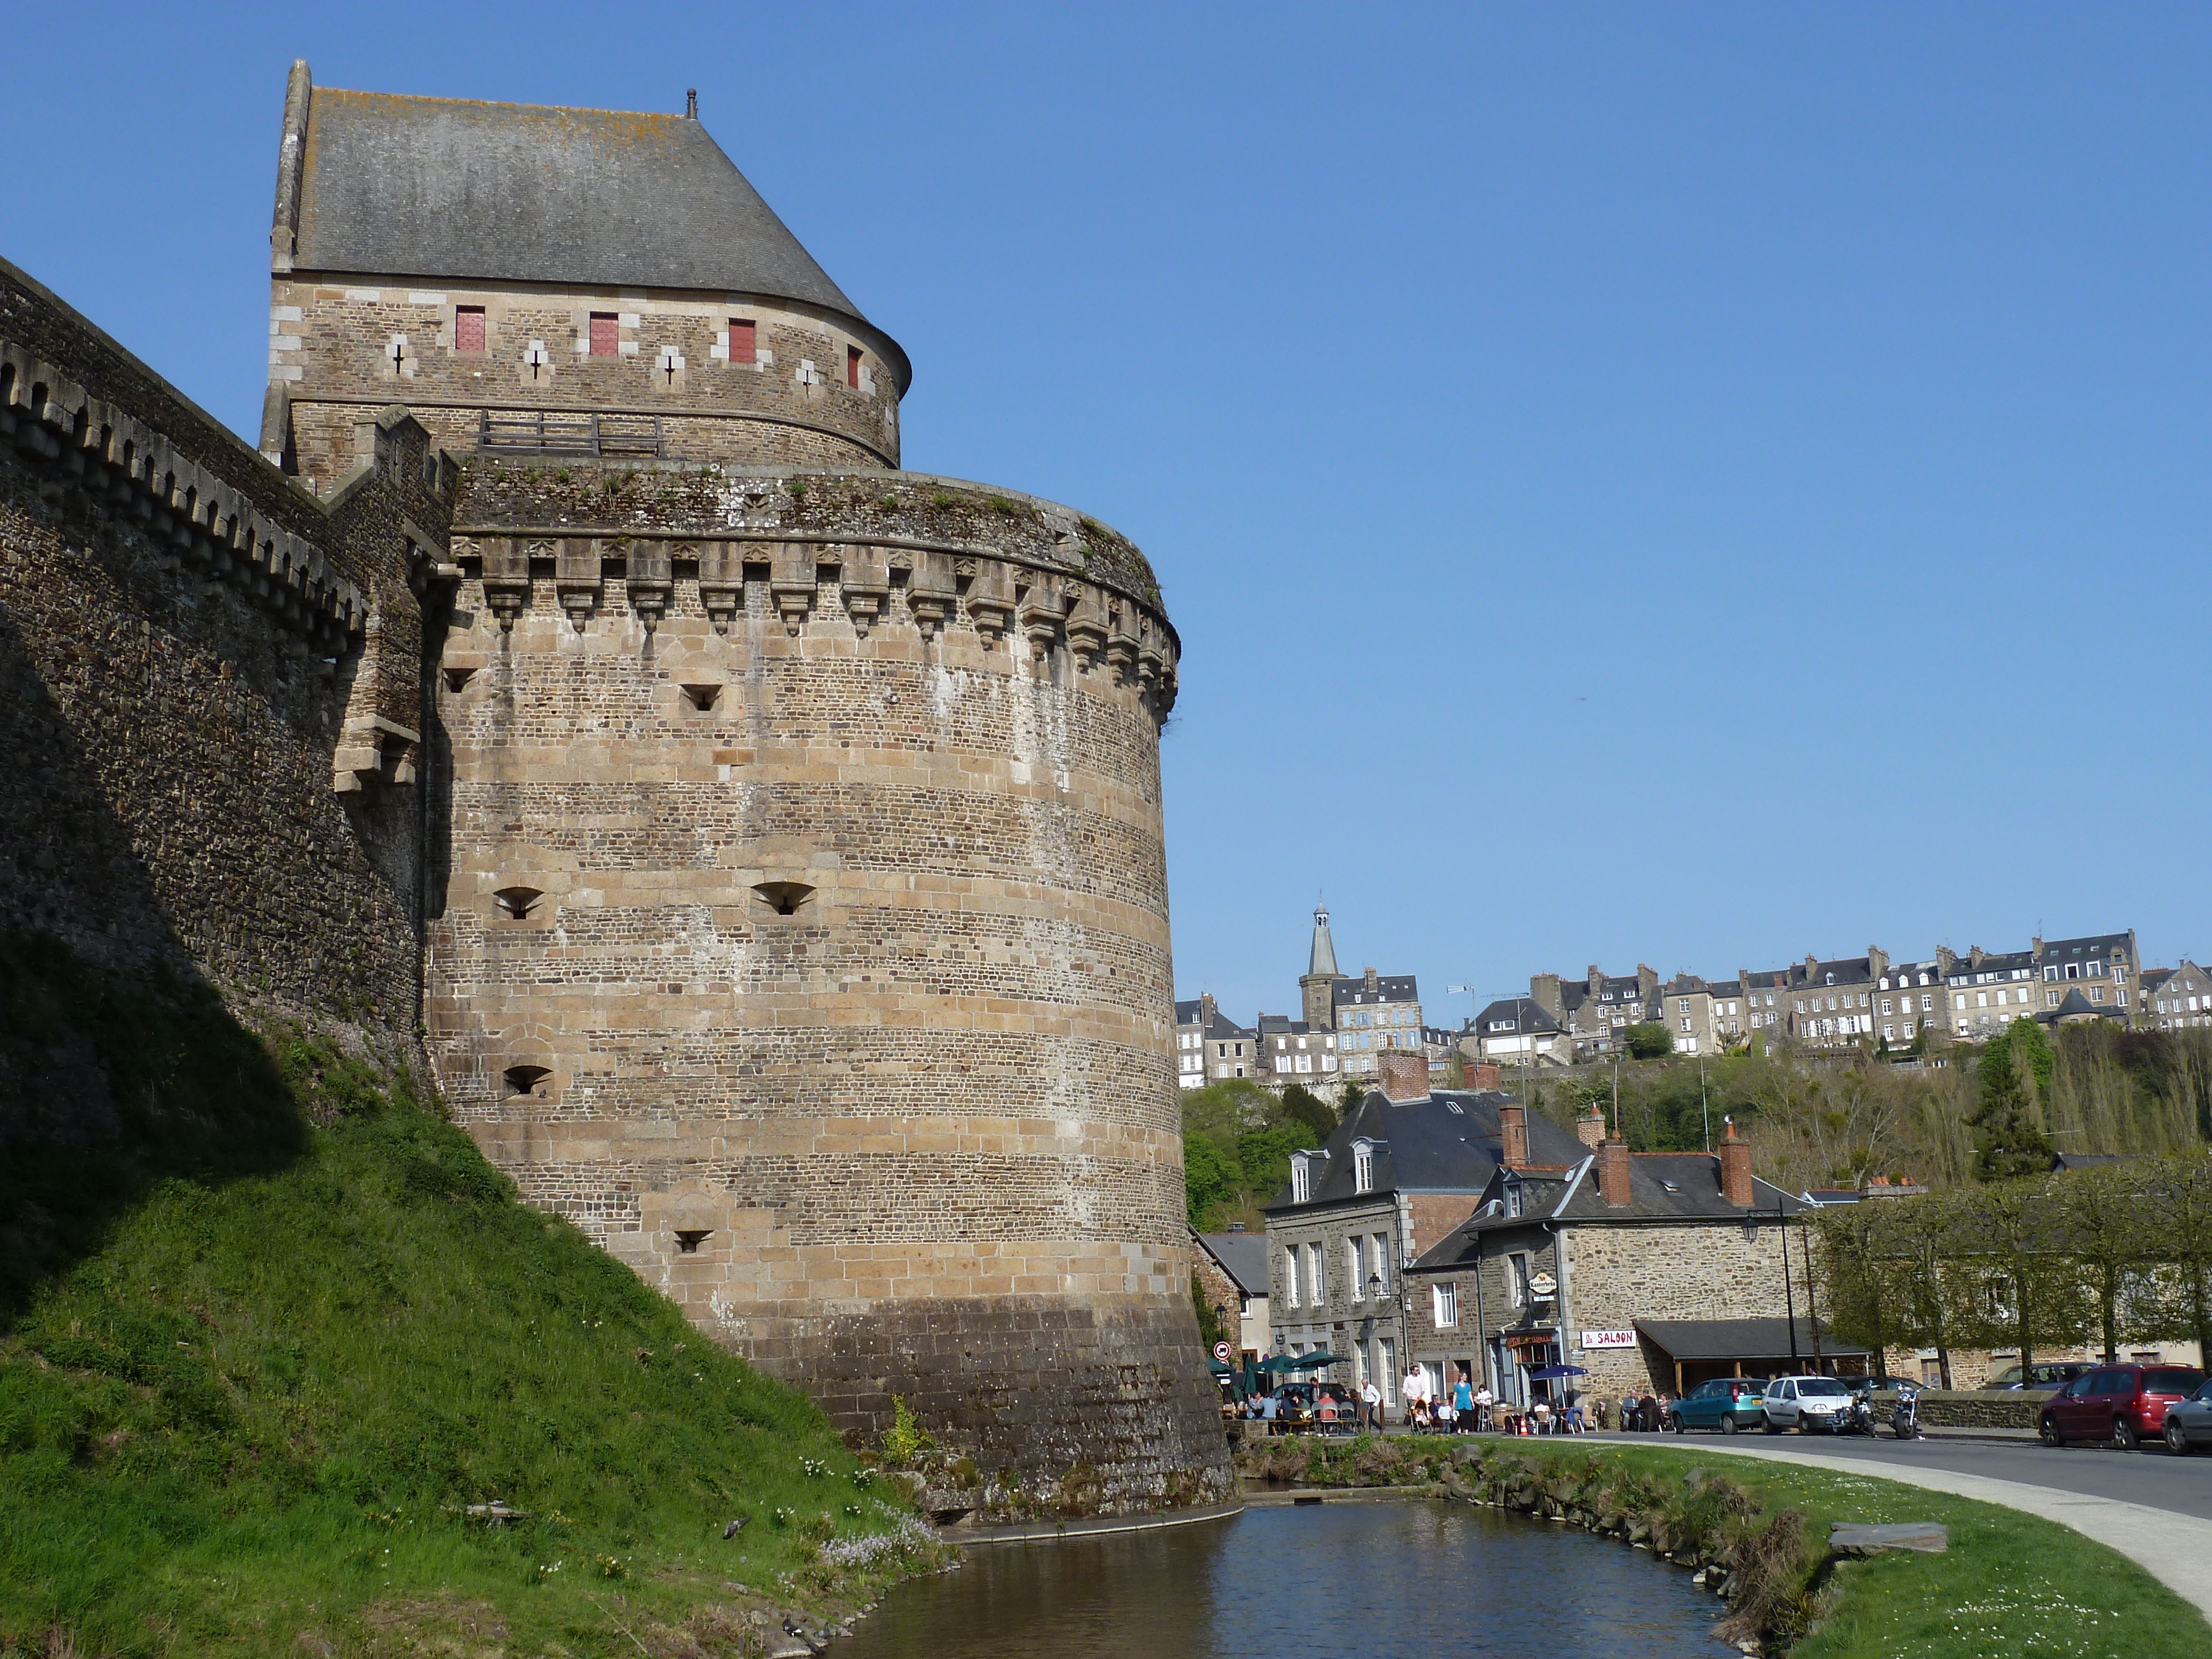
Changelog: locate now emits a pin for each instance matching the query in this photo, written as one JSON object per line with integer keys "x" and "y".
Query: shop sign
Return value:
{"x": 1608, "y": 1339}
{"x": 1543, "y": 1287}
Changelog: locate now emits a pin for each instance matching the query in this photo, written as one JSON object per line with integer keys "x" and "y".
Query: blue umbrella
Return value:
{"x": 1550, "y": 1372}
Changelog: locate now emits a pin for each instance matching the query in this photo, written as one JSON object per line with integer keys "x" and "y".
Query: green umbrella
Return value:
{"x": 1313, "y": 1361}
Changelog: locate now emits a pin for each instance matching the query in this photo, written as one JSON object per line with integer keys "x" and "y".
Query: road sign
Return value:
{"x": 1221, "y": 1351}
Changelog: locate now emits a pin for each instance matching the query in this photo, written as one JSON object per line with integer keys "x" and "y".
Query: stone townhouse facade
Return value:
{"x": 1908, "y": 1002}
{"x": 1702, "y": 1017}
{"x": 1603, "y": 1262}
{"x": 1987, "y": 990}
{"x": 2177, "y": 997}
{"x": 1830, "y": 1005}
{"x": 1374, "y": 1016}
{"x": 1394, "y": 1178}
{"x": 1292, "y": 1051}
{"x": 1210, "y": 1047}
{"x": 1597, "y": 1011}
{"x": 2105, "y": 967}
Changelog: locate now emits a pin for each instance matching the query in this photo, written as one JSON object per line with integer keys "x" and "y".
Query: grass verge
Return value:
{"x": 249, "y": 1407}
{"x": 2011, "y": 1584}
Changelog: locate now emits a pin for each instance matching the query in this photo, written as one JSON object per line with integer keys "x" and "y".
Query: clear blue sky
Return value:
{"x": 1694, "y": 484}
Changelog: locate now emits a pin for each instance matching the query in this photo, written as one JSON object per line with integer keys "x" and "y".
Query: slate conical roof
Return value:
{"x": 451, "y": 189}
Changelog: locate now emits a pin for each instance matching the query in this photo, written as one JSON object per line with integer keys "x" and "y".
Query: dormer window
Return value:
{"x": 1512, "y": 1199}
{"x": 1363, "y": 1167}
{"x": 1300, "y": 1180}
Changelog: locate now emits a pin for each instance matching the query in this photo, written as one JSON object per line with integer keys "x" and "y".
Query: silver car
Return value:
{"x": 1805, "y": 1404}
{"x": 2188, "y": 1422}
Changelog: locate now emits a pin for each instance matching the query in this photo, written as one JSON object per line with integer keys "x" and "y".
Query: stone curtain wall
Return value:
{"x": 182, "y": 639}
{"x": 842, "y": 1008}
{"x": 332, "y": 343}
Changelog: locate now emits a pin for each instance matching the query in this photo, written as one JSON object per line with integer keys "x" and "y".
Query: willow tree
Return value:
{"x": 2097, "y": 1214}
{"x": 2177, "y": 1219}
{"x": 2033, "y": 1289}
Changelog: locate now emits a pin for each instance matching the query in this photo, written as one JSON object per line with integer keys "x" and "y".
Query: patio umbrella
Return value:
{"x": 1551, "y": 1372}
{"x": 1313, "y": 1361}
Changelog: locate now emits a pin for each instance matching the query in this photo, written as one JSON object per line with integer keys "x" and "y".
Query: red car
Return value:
{"x": 2123, "y": 1406}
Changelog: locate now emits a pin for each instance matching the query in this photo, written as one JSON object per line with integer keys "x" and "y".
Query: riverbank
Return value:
{"x": 2010, "y": 1581}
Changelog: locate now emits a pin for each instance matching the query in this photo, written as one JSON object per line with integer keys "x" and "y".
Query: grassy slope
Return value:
{"x": 243, "y": 1410}
{"x": 2012, "y": 1584}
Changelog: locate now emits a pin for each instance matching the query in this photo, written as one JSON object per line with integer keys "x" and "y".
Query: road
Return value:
{"x": 2153, "y": 1477}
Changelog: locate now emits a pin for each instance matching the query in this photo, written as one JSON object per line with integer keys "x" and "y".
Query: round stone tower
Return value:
{"x": 798, "y": 904}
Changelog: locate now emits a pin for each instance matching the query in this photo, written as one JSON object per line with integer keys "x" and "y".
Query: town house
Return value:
{"x": 1398, "y": 1175}
{"x": 1650, "y": 1271}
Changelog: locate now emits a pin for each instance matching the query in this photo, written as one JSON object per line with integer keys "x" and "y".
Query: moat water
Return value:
{"x": 1370, "y": 1580}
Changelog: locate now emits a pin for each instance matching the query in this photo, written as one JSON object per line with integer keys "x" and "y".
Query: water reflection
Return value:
{"x": 1371, "y": 1579}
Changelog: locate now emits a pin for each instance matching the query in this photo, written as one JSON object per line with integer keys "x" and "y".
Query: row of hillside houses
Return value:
{"x": 1454, "y": 1231}
{"x": 1844, "y": 1002}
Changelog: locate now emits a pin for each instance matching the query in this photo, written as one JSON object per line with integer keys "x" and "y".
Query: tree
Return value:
{"x": 1348, "y": 1099}
{"x": 1209, "y": 1180}
{"x": 1650, "y": 1040}
{"x": 2178, "y": 1215}
{"x": 2031, "y": 1288}
{"x": 1302, "y": 1105}
{"x": 2009, "y": 1140}
{"x": 2099, "y": 1214}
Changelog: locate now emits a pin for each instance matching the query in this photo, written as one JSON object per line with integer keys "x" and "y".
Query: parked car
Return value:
{"x": 1729, "y": 1404}
{"x": 2121, "y": 1404}
{"x": 2188, "y": 1422}
{"x": 1805, "y": 1404}
{"x": 2056, "y": 1376}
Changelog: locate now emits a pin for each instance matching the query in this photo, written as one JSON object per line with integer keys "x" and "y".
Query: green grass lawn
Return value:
{"x": 2011, "y": 1584}
{"x": 246, "y": 1407}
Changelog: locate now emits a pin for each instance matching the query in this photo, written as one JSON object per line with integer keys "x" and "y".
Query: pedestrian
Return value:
{"x": 1372, "y": 1397}
{"x": 1486, "y": 1405}
{"x": 1415, "y": 1388}
{"x": 1649, "y": 1415}
{"x": 1462, "y": 1401}
{"x": 1445, "y": 1415}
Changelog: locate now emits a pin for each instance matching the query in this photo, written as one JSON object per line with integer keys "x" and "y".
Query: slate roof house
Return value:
{"x": 1210, "y": 1046}
{"x": 1521, "y": 1032}
{"x": 1395, "y": 1177}
{"x": 1653, "y": 1271}
{"x": 1232, "y": 1274}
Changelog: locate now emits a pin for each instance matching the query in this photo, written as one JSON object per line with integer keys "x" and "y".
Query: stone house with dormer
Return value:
{"x": 1394, "y": 1177}
{"x": 1650, "y": 1271}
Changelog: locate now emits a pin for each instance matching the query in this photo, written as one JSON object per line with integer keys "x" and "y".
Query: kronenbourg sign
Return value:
{"x": 1608, "y": 1339}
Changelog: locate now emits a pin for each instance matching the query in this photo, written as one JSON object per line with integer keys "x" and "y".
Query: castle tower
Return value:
{"x": 798, "y": 904}
{"x": 1317, "y": 985}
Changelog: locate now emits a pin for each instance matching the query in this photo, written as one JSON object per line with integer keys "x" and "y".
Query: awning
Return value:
{"x": 1741, "y": 1338}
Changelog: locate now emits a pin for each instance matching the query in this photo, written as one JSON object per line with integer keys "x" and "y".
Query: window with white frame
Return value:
{"x": 1443, "y": 1304}
{"x": 1382, "y": 1259}
{"x": 1516, "y": 1280}
{"x": 1291, "y": 1277}
{"x": 1301, "y": 1180}
{"x": 1352, "y": 1247}
{"x": 1316, "y": 1276}
{"x": 1363, "y": 1167}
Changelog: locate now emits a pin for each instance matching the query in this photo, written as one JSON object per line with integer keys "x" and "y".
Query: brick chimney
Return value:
{"x": 1405, "y": 1076}
{"x": 1589, "y": 1127}
{"x": 1613, "y": 1174}
{"x": 1736, "y": 1167}
{"x": 1206, "y": 1009}
{"x": 1483, "y": 1076}
{"x": 1513, "y": 1134}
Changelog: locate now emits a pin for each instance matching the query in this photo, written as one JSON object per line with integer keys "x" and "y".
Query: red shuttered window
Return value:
{"x": 469, "y": 328}
{"x": 743, "y": 344}
{"x": 853, "y": 367}
{"x": 606, "y": 334}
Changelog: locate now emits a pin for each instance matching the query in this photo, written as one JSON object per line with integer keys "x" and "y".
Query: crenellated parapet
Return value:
{"x": 210, "y": 526}
{"x": 859, "y": 553}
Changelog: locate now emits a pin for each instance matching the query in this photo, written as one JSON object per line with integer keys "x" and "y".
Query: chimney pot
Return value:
{"x": 1589, "y": 1127}
{"x": 1613, "y": 1174}
{"x": 1735, "y": 1169}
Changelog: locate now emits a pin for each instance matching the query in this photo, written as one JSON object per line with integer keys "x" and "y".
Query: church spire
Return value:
{"x": 1324, "y": 950}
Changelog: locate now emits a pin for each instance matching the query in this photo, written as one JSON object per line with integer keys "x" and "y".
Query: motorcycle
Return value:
{"x": 1858, "y": 1416}
{"x": 1904, "y": 1421}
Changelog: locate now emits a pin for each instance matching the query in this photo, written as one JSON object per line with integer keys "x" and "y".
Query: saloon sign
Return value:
{"x": 1608, "y": 1339}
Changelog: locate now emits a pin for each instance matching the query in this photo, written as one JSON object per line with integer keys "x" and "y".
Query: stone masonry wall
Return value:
{"x": 339, "y": 343}
{"x": 804, "y": 938}
{"x": 186, "y": 640}
{"x": 1710, "y": 1270}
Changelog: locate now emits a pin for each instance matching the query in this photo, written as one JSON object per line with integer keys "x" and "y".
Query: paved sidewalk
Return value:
{"x": 2174, "y": 1549}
